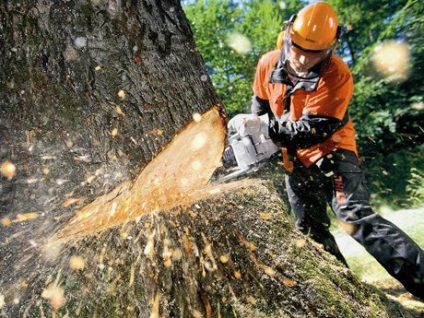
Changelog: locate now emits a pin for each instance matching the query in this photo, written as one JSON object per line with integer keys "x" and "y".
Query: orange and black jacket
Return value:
{"x": 309, "y": 117}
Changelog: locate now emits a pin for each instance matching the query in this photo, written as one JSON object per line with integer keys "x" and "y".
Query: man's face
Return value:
{"x": 301, "y": 61}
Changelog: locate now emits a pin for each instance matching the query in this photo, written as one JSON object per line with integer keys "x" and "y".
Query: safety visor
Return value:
{"x": 307, "y": 58}
{"x": 301, "y": 52}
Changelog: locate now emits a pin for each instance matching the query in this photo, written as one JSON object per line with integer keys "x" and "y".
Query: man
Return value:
{"x": 306, "y": 90}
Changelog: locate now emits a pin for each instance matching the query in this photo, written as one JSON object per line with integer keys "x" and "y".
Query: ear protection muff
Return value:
{"x": 282, "y": 35}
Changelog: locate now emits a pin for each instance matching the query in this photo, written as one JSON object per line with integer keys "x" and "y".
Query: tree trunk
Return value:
{"x": 91, "y": 91}
{"x": 109, "y": 132}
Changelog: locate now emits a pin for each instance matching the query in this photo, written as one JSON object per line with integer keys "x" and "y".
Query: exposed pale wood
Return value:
{"x": 183, "y": 167}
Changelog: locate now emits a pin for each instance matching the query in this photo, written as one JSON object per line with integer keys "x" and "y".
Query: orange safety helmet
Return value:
{"x": 314, "y": 31}
{"x": 315, "y": 28}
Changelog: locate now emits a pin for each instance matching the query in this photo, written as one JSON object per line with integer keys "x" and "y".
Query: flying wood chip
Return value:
{"x": 8, "y": 169}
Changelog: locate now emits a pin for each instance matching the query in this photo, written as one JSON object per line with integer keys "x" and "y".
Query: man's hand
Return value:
{"x": 249, "y": 124}
{"x": 277, "y": 133}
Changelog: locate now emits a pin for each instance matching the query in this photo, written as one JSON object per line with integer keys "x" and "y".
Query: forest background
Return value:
{"x": 382, "y": 42}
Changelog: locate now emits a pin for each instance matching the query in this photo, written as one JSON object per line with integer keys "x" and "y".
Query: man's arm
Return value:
{"x": 259, "y": 106}
{"x": 309, "y": 130}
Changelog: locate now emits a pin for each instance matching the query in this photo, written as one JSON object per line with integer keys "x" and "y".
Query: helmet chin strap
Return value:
{"x": 292, "y": 72}
{"x": 315, "y": 71}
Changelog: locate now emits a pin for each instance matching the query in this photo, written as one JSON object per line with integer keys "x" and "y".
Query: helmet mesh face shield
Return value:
{"x": 298, "y": 61}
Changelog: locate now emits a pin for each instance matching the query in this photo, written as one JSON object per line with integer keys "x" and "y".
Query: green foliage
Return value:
{"x": 390, "y": 177}
{"x": 415, "y": 186}
{"x": 387, "y": 111}
{"x": 380, "y": 103}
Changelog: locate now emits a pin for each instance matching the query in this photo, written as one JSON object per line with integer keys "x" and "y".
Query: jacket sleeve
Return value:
{"x": 260, "y": 106}
{"x": 260, "y": 100}
{"x": 309, "y": 130}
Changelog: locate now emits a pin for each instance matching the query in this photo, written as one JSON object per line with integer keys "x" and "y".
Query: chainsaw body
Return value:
{"x": 247, "y": 153}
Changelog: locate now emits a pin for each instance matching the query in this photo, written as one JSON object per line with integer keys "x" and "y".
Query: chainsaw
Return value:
{"x": 249, "y": 145}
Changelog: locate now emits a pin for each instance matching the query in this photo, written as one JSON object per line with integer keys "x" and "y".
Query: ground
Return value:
{"x": 412, "y": 306}
{"x": 367, "y": 268}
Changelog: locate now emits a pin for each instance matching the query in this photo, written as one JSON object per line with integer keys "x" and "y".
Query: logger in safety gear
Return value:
{"x": 306, "y": 89}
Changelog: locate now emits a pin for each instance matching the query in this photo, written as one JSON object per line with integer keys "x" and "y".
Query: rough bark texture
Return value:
{"x": 90, "y": 91}
{"x": 232, "y": 253}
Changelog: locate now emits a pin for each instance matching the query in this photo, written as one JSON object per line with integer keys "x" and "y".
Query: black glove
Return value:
{"x": 278, "y": 132}
{"x": 305, "y": 132}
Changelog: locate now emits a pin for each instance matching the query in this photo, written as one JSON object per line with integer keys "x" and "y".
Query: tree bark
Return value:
{"x": 109, "y": 132}
{"x": 228, "y": 254}
{"x": 91, "y": 92}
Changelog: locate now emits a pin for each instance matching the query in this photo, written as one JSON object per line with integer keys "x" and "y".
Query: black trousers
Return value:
{"x": 337, "y": 180}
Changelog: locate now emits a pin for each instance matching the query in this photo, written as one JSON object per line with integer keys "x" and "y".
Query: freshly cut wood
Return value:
{"x": 182, "y": 168}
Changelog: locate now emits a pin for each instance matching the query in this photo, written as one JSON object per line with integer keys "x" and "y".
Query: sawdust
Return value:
{"x": 172, "y": 178}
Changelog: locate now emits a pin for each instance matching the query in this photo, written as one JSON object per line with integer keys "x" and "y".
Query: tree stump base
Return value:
{"x": 231, "y": 253}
